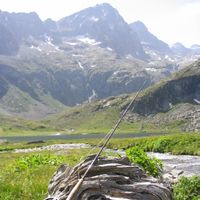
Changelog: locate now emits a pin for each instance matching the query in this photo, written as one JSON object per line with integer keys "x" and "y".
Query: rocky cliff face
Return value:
{"x": 184, "y": 87}
{"x": 176, "y": 100}
{"x": 182, "y": 90}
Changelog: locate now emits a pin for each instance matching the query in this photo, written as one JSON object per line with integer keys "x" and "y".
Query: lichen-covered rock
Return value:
{"x": 109, "y": 179}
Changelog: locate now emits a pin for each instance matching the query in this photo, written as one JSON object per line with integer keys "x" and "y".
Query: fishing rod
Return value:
{"x": 107, "y": 138}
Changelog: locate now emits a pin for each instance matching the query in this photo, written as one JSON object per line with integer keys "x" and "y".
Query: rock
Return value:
{"x": 109, "y": 179}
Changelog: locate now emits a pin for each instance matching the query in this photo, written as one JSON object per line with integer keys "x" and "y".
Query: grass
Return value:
{"x": 87, "y": 118}
{"x": 12, "y": 126}
{"x": 176, "y": 144}
{"x": 96, "y": 118}
{"x": 32, "y": 182}
{"x": 185, "y": 143}
{"x": 187, "y": 188}
{"x": 101, "y": 116}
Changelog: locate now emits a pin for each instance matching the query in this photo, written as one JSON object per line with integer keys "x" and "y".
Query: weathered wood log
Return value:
{"x": 109, "y": 179}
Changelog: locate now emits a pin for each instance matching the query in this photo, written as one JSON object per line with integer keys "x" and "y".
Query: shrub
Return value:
{"x": 187, "y": 189}
{"x": 152, "y": 166}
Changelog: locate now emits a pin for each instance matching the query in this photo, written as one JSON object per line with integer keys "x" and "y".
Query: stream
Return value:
{"x": 174, "y": 165}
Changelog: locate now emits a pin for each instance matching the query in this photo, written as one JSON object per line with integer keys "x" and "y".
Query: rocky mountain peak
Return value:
{"x": 179, "y": 49}
{"x": 104, "y": 24}
{"x": 22, "y": 25}
{"x": 148, "y": 40}
{"x": 139, "y": 26}
{"x": 94, "y": 14}
{"x": 178, "y": 45}
{"x": 195, "y": 46}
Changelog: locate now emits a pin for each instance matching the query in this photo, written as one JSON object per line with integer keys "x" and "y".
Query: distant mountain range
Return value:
{"x": 92, "y": 54}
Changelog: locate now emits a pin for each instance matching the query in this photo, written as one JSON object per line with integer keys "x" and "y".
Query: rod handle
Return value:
{"x": 75, "y": 189}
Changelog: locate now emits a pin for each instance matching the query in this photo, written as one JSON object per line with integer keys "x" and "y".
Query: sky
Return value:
{"x": 170, "y": 20}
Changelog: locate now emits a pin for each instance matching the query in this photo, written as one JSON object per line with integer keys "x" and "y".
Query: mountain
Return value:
{"x": 195, "y": 48}
{"x": 92, "y": 54}
{"x": 160, "y": 54}
{"x": 8, "y": 43}
{"x": 180, "y": 49}
{"x": 22, "y": 25}
{"x": 44, "y": 78}
{"x": 173, "y": 104}
{"x": 182, "y": 87}
{"x": 148, "y": 40}
{"x": 58, "y": 64}
{"x": 103, "y": 24}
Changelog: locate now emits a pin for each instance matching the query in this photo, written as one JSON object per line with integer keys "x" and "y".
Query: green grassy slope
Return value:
{"x": 10, "y": 125}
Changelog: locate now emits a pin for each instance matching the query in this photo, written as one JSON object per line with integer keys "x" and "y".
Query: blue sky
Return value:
{"x": 170, "y": 20}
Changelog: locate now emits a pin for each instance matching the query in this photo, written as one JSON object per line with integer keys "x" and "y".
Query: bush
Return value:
{"x": 152, "y": 166}
{"x": 187, "y": 189}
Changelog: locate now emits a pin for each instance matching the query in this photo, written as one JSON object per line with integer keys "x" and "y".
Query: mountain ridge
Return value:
{"x": 179, "y": 110}
{"x": 92, "y": 54}
{"x": 104, "y": 24}
{"x": 148, "y": 39}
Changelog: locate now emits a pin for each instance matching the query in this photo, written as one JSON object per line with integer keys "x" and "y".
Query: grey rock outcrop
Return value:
{"x": 182, "y": 88}
{"x": 109, "y": 178}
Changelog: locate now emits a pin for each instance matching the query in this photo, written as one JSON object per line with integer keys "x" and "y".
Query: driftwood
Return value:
{"x": 109, "y": 179}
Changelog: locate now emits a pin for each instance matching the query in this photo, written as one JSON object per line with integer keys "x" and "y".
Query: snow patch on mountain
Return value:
{"x": 58, "y": 49}
{"x": 129, "y": 56}
{"x": 37, "y": 48}
{"x": 49, "y": 40}
{"x": 78, "y": 55}
{"x": 151, "y": 69}
{"x": 145, "y": 43}
{"x": 88, "y": 40}
{"x": 80, "y": 65}
{"x": 94, "y": 19}
{"x": 71, "y": 43}
{"x": 109, "y": 49}
{"x": 93, "y": 96}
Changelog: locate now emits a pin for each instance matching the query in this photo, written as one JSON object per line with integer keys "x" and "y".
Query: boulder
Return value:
{"x": 108, "y": 179}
